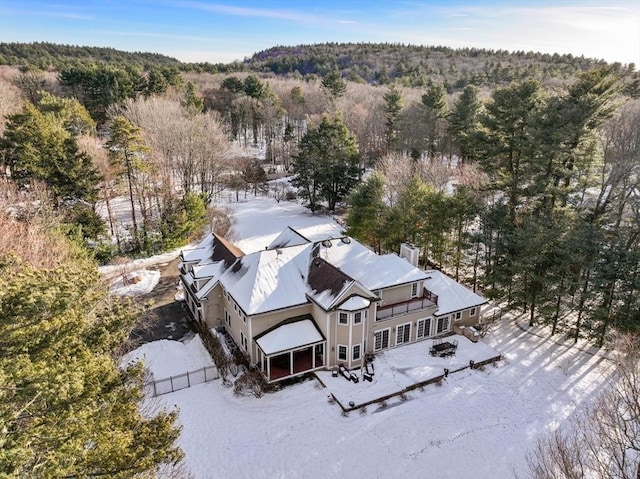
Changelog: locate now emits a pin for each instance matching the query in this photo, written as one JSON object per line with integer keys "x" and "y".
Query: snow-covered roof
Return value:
{"x": 269, "y": 280}
{"x": 324, "y": 272}
{"x": 289, "y": 336}
{"x": 452, "y": 296}
{"x": 288, "y": 237}
{"x": 373, "y": 271}
{"x": 355, "y": 303}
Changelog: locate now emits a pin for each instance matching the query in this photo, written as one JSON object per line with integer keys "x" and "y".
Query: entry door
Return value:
{"x": 381, "y": 340}
{"x": 403, "y": 334}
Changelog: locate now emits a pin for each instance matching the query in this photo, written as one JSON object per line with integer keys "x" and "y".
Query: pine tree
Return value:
{"x": 66, "y": 410}
{"x": 37, "y": 147}
{"x": 393, "y": 104}
{"x": 464, "y": 122}
{"x": 367, "y": 210}
{"x": 127, "y": 151}
{"x": 327, "y": 165}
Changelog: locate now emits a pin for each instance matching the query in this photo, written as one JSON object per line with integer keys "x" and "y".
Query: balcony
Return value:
{"x": 414, "y": 305}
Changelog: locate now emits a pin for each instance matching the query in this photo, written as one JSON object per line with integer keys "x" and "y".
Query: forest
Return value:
{"x": 516, "y": 173}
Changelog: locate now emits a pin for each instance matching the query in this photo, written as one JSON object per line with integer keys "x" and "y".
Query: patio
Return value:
{"x": 404, "y": 367}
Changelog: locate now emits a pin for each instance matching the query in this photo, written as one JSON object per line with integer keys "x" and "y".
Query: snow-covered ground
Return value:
{"x": 135, "y": 283}
{"x": 477, "y": 423}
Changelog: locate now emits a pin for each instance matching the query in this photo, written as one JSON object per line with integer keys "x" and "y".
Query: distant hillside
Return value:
{"x": 374, "y": 63}
{"x": 417, "y": 65}
{"x": 44, "y": 55}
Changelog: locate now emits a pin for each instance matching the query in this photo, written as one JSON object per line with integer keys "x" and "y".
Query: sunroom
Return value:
{"x": 290, "y": 349}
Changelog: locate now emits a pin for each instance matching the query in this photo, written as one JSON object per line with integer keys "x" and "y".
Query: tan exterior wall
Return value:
{"x": 397, "y": 294}
{"x": 466, "y": 319}
{"x": 393, "y": 323}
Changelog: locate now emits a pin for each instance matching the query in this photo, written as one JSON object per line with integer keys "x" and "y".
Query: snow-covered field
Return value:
{"x": 478, "y": 423}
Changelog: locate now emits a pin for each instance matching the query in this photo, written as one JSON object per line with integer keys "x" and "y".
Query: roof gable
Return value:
{"x": 452, "y": 296}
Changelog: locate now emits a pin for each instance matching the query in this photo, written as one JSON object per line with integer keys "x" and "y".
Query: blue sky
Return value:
{"x": 223, "y": 31}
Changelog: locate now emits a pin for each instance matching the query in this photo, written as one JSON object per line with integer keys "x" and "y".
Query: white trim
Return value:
{"x": 458, "y": 315}
{"x": 346, "y": 352}
{"x": 346, "y": 315}
{"x": 473, "y": 311}
{"x": 426, "y": 331}
{"x": 403, "y": 326}
{"x": 353, "y": 356}
{"x": 446, "y": 323}
{"x": 381, "y": 332}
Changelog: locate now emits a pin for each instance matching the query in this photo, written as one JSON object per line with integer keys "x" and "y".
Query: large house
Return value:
{"x": 311, "y": 302}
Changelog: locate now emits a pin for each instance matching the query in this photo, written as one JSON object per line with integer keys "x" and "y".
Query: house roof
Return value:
{"x": 355, "y": 303}
{"x": 323, "y": 271}
{"x": 452, "y": 296}
{"x": 288, "y": 237}
{"x": 211, "y": 249}
{"x": 326, "y": 282}
{"x": 268, "y": 280}
{"x": 373, "y": 271}
{"x": 289, "y": 335}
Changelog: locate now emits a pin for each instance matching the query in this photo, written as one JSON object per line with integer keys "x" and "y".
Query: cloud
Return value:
{"x": 243, "y": 11}
{"x": 169, "y": 36}
{"x": 48, "y": 13}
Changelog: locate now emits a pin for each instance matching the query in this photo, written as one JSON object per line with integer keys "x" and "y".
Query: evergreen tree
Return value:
{"x": 367, "y": 210}
{"x": 127, "y": 151}
{"x": 435, "y": 103}
{"x": 464, "y": 122}
{"x": 37, "y": 147}
{"x": 327, "y": 165}
{"x": 393, "y": 104}
{"x": 333, "y": 84}
{"x": 66, "y": 410}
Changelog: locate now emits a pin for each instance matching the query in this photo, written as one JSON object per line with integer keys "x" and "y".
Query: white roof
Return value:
{"x": 354, "y": 303}
{"x": 370, "y": 269}
{"x": 452, "y": 296}
{"x": 202, "y": 251}
{"x": 289, "y": 336}
{"x": 269, "y": 280}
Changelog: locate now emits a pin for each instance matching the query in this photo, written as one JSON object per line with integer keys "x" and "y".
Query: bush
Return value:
{"x": 251, "y": 382}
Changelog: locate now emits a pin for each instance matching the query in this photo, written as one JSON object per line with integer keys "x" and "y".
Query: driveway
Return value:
{"x": 166, "y": 318}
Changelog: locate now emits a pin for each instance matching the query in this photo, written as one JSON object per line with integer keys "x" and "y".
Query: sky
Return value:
{"x": 225, "y": 31}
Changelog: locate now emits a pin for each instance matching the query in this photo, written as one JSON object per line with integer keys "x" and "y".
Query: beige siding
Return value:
{"x": 397, "y": 294}
{"x": 465, "y": 317}
{"x": 393, "y": 324}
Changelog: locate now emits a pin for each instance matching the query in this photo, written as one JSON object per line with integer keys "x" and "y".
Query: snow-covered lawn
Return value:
{"x": 477, "y": 423}
{"x": 398, "y": 368}
{"x": 135, "y": 283}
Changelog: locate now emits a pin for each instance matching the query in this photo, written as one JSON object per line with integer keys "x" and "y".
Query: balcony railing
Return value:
{"x": 407, "y": 307}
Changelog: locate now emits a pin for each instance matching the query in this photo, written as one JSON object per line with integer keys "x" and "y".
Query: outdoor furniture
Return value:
{"x": 443, "y": 348}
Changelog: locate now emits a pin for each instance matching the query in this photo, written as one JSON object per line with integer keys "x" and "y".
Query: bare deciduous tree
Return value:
{"x": 603, "y": 440}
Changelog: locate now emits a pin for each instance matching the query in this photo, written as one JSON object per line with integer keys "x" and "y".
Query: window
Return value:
{"x": 344, "y": 318}
{"x": 342, "y": 353}
{"x": 443, "y": 324}
{"x": 227, "y": 317}
{"x": 357, "y": 317}
{"x": 472, "y": 312}
{"x": 356, "y": 352}
{"x": 243, "y": 341}
{"x": 424, "y": 328}
{"x": 244, "y": 318}
{"x": 414, "y": 290}
{"x": 458, "y": 315}
{"x": 403, "y": 333}
{"x": 381, "y": 340}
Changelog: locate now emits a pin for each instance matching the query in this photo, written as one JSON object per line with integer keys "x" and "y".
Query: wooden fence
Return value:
{"x": 181, "y": 381}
